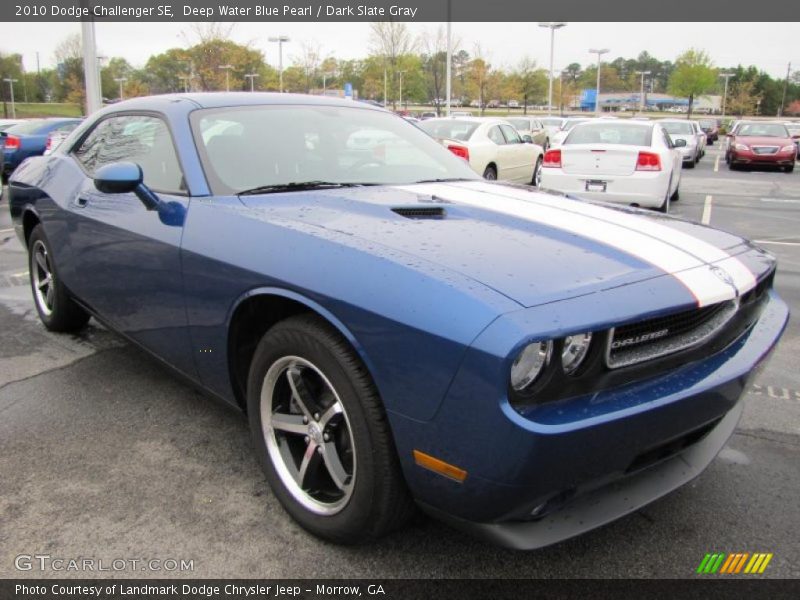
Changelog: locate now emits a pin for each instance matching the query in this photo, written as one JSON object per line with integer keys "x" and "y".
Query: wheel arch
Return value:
{"x": 30, "y": 219}
{"x": 255, "y": 312}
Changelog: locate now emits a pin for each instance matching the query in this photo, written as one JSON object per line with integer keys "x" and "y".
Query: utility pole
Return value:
{"x": 599, "y": 53}
{"x": 11, "y": 83}
{"x": 385, "y": 84}
{"x": 280, "y": 39}
{"x": 227, "y": 69}
{"x": 251, "y": 77}
{"x": 90, "y": 66}
{"x": 641, "y": 97}
{"x": 120, "y": 81}
{"x": 401, "y": 88}
{"x": 449, "y": 72}
{"x": 185, "y": 79}
{"x": 785, "y": 85}
{"x": 726, "y": 76}
{"x": 552, "y": 27}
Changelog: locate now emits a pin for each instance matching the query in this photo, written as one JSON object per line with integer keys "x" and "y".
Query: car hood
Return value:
{"x": 533, "y": 247}
{"x": 763, "y": 141}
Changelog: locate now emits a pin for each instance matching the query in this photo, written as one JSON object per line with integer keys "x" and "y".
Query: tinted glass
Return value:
{"x": 610, "y": 133}
{"x": 763, "y": 129}
{"x": 678, "y": 128}
{"x": 496, "y": 136}
{"x": 552, "y": 122}
{"x": 270, "y": 145}
{"x": 451, "y": 129}
{"x": 512, "y": 137}
{"x": 521, "y": 124}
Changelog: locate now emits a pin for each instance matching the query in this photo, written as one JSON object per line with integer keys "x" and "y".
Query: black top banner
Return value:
{"x": 396, "y": 10}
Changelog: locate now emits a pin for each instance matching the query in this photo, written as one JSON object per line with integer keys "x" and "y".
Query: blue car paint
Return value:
{"x": 31, "y": 144}
{"x": 436, "y": 320}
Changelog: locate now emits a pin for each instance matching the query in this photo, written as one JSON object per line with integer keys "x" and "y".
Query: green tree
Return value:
{"x": 693, "y": 75}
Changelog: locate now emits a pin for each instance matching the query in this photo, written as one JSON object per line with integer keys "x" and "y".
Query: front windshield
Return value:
{"x": 520, "y": 123}
{"x": 253, "y": 146}
{"x": 551, "y": 122}
{"x": 762, "y": 130}
{"x": 676, "y": 128}
{"x": 571, "y": 123}
{"x": 449, "y": 129}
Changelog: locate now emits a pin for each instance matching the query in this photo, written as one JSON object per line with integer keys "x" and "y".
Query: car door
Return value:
{"x": 502, "y": 153}
{"x": 126, "y": 258}
{"x": 521, "y": 155}
{"x": 676, "y": 159}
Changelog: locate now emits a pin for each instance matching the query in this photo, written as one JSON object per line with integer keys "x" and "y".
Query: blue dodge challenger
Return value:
{"x": 399, "y": 332}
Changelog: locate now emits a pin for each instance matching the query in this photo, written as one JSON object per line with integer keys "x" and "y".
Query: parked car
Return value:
{"x": 532, "y": 127}
{"x": 761, "y": 143}
{"x": 513, "y": 104}
{"x": 56, "y": 136}
{"x": 711, "y": 129}
{"x": 702, "y": 140}
{"x": 794, "y": 130}
{"x": 681, "y": 129}
{"x": 551, "y": 124}
{"x": 6, "y": 123}
{"x": 428, "y": 115}
{"x": 491, "y": 146}
{"x": 399, "y": 332}
{"x": 29, "y": 139}
{"x": 634, "y": 163}
{"x": 732, "y": 127}
{"x": 567, "y": 124}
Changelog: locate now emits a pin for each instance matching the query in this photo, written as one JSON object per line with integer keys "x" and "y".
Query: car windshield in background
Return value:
{"x": 520, "y": 123}
{"x": 610, "y": 133}
{"x": 571, "y": 123}
{"x": 710, "y": 123}
{"x": 674, "y": 128}
{"x": 27, "y": 127}
{"x": 762, "y": 130}
{"x": 793, "y": 129}
{"x": 245, "y": 148}
{"x": 449, "y": 129}
{"x": 551, "y": 122}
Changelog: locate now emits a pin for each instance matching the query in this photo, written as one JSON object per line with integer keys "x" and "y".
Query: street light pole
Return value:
{"x": 552, "y": 27}
{"x": 251, "y": 77}
{"x": 11, "y": 83}
{"x": 120, "y": 81}
{"x": 227, "y": 69}
{"x": 185, "y": 79}
{"x": 280, "y": 39}
{"x": 726, "y": 76}
{"x": 599, "y": 52}
{"x": 641, "y": 97}
{"x": 401, "y": 88}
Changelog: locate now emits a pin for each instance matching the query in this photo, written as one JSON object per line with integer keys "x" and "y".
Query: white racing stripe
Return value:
{"x": 633, "y": 235}
{"x": 743, "y": 278}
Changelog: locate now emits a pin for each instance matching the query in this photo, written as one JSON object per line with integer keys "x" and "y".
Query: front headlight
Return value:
{"x": 788, "y": 148}
{"x": 742, "y": 147}
{"x": 575, "y": 349}
{"x": 529, "y": 364}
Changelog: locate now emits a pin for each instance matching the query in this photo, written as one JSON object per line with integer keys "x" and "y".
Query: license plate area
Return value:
{"x": 596, "y": 185}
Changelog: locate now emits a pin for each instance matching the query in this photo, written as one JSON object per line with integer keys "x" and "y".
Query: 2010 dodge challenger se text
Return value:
{"x": 400, "y": 333}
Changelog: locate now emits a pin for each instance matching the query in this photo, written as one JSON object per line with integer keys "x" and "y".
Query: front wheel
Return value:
{"x": 789, "y": 168}
{"x": 322, "y": 435}
{"x": 537, "y": 173}
{"x": 57, "y": 310}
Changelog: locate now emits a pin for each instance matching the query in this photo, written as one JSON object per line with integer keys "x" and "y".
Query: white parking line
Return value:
{"x": 20, "y": 274}
{"x": 6, "y": 230}
{"x": 780, "y": 200}
{"x": 707, "y": 211}
{"x": 716, "y": 164}
{"x": 777, "y": 243}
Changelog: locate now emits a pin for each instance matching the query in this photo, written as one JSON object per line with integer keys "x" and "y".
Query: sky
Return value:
{"x": 769, "y": 46}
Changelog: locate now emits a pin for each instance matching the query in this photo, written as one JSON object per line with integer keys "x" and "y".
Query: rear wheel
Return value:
{"x": 537, "y": 173}
{"x": 490, "y": 173}
{"x": 789, "y": 168}
{"x": 57, "y": 310}
{"x": 322, "y": 435}
{"x": 664, "y": 208}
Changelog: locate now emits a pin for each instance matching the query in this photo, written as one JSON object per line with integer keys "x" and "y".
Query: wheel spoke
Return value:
{"x": 309, "y": 456}
{"x": 300, "y": 392}
{"x": 45, "y": 282}
{"x": 334, "y": 465}
{"x": 289, "y": 423}
{"x": 332, "y": 411}
{"x": 48, "y": 296}
{"x": 42, "y": 262}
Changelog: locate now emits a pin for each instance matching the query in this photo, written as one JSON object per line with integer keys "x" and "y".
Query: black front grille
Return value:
{"x": 421, "y": 212}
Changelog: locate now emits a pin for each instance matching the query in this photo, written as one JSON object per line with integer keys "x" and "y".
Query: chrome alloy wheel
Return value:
{"x": 43, "y": 278}
{"x": 308, "y": 435}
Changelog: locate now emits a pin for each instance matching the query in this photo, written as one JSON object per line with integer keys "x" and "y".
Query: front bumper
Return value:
{"x": 554, "y": 471}
{"x": 743, "y": 157}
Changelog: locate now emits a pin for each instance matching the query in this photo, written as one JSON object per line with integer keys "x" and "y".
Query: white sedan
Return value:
{"x": 681, "y": 129}
{"x": 491, "y": 146}
{"x": 628, "y": 162}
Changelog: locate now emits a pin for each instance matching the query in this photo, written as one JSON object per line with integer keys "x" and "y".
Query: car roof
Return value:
{"x": 228, "y": 99}
{"x": 468, "y": 119}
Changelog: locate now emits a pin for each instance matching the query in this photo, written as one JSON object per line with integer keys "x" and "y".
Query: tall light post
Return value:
{"x": 725, "y": 76}
{"x": 11, "y": 83}
{"x": 325, "y": 75}
{"x": 280, "y": 39}
{"x": 401, "y": 88}
{"x": 227, "y": 69}
{"x": 185, "y": 79}
{"x": 599, "y": 52}
{"x": 552, "y": 27}
{"x": 251, "y": 77}
{"x": 120, "y": 81}
{"x": 449, "y": 68}
{"x": 641, "y": 96}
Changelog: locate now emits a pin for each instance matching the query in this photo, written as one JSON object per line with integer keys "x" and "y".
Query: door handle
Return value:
{"x": 81, "y": 201}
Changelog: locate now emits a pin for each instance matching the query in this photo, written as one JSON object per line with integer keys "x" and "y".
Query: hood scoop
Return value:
{"x": 421, "y": 212}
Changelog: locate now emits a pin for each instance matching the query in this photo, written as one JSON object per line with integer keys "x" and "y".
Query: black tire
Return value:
{"x": 56, "y": 308}
{"x": 691, "y": 163}
{"x": 546, "y": 146}
{"x": 789, "y": 168}
{"x": 490, "y": 173}
{"x": 536, "y": 181}
{"x": 676, "y": 195}
{"x": 378, "y": 500}
{"x": 664, "y": 208}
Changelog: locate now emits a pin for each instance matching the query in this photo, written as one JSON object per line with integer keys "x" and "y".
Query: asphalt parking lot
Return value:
{"x": 103, "y": 454}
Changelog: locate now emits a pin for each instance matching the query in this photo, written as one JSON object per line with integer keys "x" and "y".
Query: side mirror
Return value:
{"x": 679, "y": 143}
{"x": 527, "y": 139}
{"x": 123, "y": 178}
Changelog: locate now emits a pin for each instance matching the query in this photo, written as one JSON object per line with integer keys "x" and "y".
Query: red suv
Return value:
{"x": 761, "y": 143}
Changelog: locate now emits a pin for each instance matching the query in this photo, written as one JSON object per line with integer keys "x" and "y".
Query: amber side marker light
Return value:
{"x": 439, "y": 466}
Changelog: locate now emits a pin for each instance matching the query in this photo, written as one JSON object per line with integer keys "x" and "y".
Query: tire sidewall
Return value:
{"x": 355, "y": 517}
{"x": 38, "y": 235}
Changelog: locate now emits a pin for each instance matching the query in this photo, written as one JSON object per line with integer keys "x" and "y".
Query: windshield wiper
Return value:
{"x": 446, "y": 180}
{"x": 297, "y": 186}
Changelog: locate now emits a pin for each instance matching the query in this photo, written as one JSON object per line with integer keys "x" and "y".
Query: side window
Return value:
{"x": 667, "y": 140}
{"x": 511, "y": 134}
{"x": 496, "y": 136}
{"x": 139, "y": 139}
